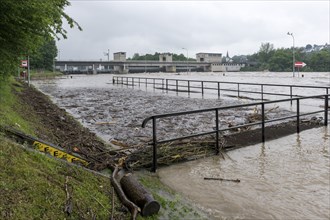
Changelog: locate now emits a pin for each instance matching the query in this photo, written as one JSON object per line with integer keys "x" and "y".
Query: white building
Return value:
{"x": 165, "y": 57}
{"x": 119, "y": 56}
{"x": 209, "y": 57}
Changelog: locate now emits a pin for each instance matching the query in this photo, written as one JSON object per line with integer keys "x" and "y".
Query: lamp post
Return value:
{"x": 145, "y": 63}
{"x": 108, "y": 54}
{"x": 293, "y": 57}
{"x": 187, "y": 58}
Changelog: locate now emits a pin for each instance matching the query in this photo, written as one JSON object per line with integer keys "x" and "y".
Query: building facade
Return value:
{"x": 119, "y": 56}
{"x": 209, "y": 57}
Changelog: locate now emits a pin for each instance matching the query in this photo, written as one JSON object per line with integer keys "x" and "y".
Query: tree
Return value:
{"x": 175, "y": 57}
{"x": 280, "y": 61}
{"x": 320, "y": 61}
{"x": 43, "y": 57}
{"x": 265, "y": 52}
{"x": 24, "y": 26}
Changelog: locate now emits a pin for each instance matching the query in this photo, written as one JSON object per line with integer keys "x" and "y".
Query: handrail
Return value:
{"x": 262, "y": 122}
{"x": 145, "y": 121}
{"x": 227, "y": 82}
{"x": 167, "y": 85}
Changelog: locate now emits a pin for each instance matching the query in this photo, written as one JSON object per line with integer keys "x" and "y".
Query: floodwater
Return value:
{"x": 286, "y": 178}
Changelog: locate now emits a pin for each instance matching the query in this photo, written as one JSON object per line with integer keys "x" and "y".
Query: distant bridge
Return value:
{"x": 131, "y": 66}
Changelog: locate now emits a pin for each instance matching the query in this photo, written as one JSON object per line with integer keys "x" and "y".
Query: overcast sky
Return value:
{"x": 238, "y": 27}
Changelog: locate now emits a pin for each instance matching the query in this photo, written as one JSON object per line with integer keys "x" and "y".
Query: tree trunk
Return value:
{"x": 129, "y": 204}
{"x": 138, "y": 195}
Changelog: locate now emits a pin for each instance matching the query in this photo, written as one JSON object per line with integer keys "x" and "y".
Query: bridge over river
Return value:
{"x": 135, "y": 66}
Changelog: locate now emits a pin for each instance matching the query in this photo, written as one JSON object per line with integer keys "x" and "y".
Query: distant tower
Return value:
{"x": 227, "y": 55}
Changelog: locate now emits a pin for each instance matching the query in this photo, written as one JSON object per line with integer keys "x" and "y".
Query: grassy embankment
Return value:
{"x": 33, "y": 185}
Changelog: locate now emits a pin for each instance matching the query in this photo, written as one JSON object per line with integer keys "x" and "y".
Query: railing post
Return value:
{"x": 132, "y": 81}
{"x": 189, "y": 87}
{"x": 218, "y": 89}
{"x": 166, "y": 85}
{"x": 262, "y": 92}
{"x": 162, "y": 85}
{"x": 154, "y": 83}
{"x": 298, "y": 116}
{"x": 217, "y": 146}
{"x": 291, "y": 94}
{"x": 263, "y": 122}
{"x": 177, "y": 86}
{"x": 139, "y": 82}
{"x": 127, "y": 81}
{"x": 146, "y": 82}
{"x": 326, "y": 109}
{"x": 202, "y": 82}
{"x": 237, "y": 90}
{"x": 154, "y": 143}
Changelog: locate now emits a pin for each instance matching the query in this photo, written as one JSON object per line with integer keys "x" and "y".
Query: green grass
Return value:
{"x": 173, "y": 205}
{"x": 32, "y": 186}
{"x": 10, "y": 107}
{"x": 44, "y": 74}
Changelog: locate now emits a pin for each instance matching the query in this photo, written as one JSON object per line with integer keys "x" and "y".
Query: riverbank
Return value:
{"x": 36, "y": 186}
{"x": 26, "y": 109}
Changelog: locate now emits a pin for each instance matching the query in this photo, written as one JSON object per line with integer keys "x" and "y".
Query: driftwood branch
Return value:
{"x": 122, "y": 197}
{"x": 68, "y": 203}
{"x": 222, "y": 179}
{"x": 112, "y": 203}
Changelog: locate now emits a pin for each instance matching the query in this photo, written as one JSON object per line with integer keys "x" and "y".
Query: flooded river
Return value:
{"x": 286, "y": 178}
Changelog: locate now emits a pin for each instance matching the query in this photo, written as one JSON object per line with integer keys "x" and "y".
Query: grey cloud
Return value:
{"x": 150, "y": 26}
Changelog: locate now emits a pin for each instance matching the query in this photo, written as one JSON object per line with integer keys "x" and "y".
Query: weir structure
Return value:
{"x": 209, "y": 62}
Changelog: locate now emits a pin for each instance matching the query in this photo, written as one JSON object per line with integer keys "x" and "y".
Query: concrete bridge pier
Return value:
{"x": 170, "y": 69}
{"x": 206, "y": 68}
{"x": 120, "y": 69}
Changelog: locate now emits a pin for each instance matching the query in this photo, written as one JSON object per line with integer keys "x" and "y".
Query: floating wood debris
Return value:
{"x": 222, "y": 179}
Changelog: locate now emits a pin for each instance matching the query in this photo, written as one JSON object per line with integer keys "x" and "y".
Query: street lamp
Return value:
{"x": 293, "y": 58}
{"x": 107, "y": 54}
{"x": 187, "y": 58}
{"x": 145, "y": 63}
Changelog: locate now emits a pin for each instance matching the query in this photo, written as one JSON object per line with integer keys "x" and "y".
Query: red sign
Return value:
{"x": 299, "y": 64}
{"x": 24, "y": 63}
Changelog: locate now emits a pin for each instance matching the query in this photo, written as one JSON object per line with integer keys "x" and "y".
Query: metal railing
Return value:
{"x": 193, "y": 86}
{"x": 262, "y": 122}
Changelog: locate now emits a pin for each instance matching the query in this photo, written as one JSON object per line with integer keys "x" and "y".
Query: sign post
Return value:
{"x": 24, "y": 65}
{"x": 299, "y": 65}
{"x": 28, "y": 70}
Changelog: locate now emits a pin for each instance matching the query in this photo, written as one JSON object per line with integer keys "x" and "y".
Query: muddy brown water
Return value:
{"x": 282, "y": 179}
{"x": 288, "y": 178}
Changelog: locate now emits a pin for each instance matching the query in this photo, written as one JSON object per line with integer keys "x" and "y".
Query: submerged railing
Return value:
{"x": 215, "y": 111}
{"x": 193, "y": 86}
